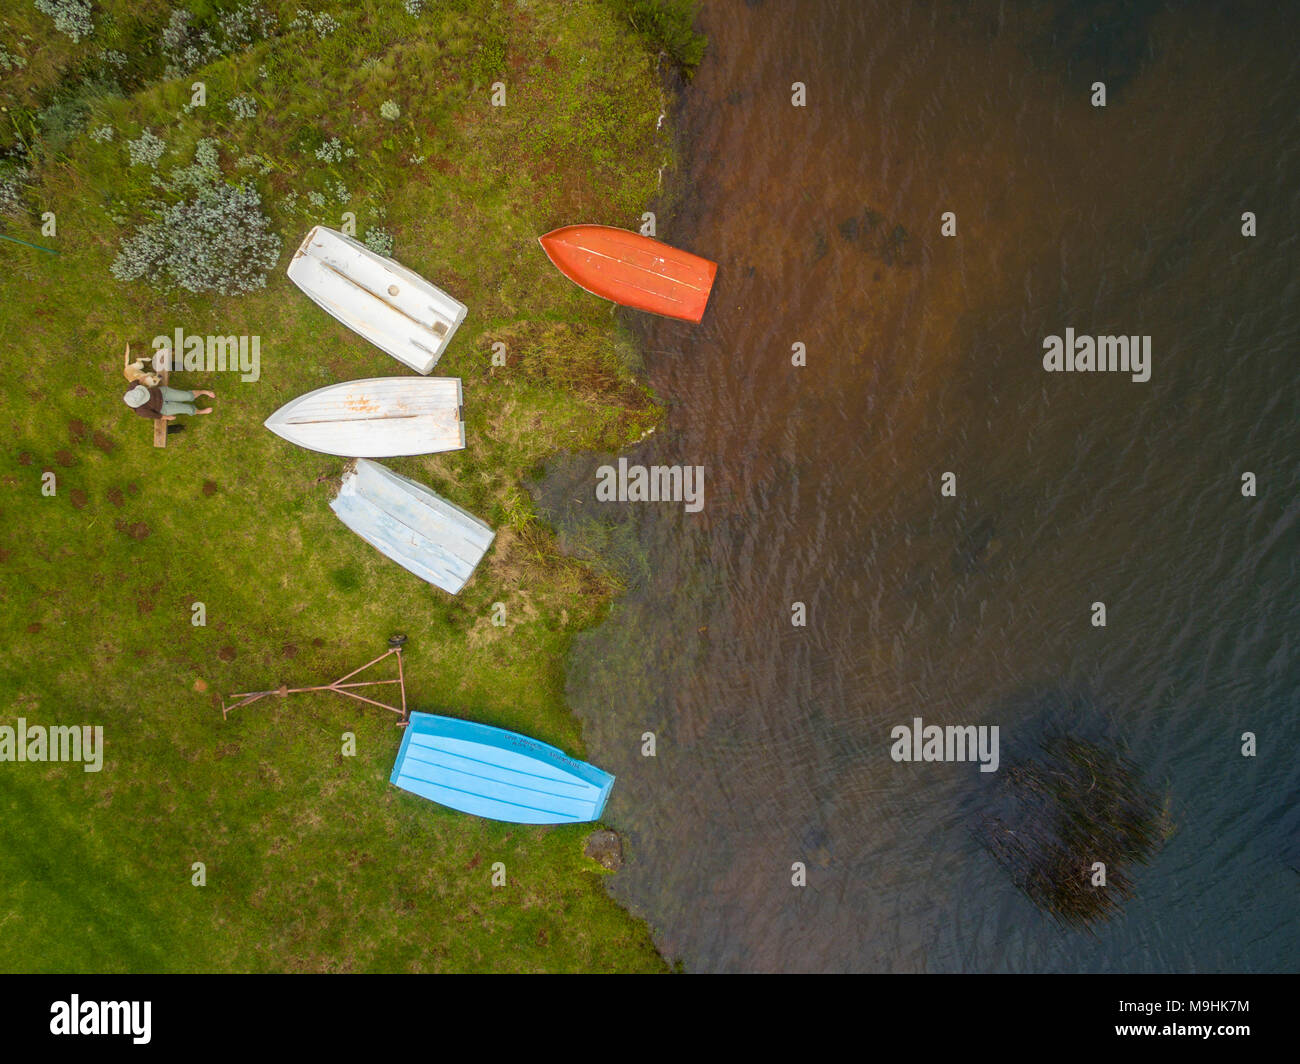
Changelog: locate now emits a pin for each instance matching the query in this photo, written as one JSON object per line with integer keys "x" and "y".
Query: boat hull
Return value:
{"x": 394, "y": 308}
{"x": 381, "y": 417}
{"x": 415, "y": 527}
{"x": 497, "y": 774}
{"x": 632, "y": 270}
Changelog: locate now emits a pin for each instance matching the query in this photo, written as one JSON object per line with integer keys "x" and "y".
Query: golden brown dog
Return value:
{"x": 136, "y": 373}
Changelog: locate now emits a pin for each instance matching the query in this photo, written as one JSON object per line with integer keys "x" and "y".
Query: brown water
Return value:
{"x": 924, "y": 356}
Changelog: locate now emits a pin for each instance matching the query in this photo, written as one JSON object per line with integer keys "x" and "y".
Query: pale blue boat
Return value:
{"x": 497, "y": 774}
{"x": 419, "y": 529}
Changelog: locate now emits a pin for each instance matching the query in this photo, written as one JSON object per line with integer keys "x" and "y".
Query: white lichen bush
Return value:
{"x": 414, "y": 7}
{"x": 13, "y": 185}
{"x": 10, "y": 62}
{"x": 216, "y": 239}
{"x": 243, "y": 107}
{"x": 205, "y": 170}
{"x": 187, "y": 46}
{"x": 71, "y": 17}
{"x": 184, "y": 46}
{"x": 389, "y": 110}
{"x": 323, "y": 24}
{"x": 247, "y": 24}
{"x": 378, "y": 240}
{"x": 334, "y": 151}
{"x": 147, "y": 149}
{"x": 102, "y": 134}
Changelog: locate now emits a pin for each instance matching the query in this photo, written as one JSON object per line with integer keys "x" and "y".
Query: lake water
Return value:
{"x": 924, "y": 356}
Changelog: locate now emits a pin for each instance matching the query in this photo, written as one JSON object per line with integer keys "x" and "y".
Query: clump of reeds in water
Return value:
{"x": 1060, "y": 813}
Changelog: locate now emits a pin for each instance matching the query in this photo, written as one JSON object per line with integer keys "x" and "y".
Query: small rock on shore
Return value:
{"x": 606, "y": 849}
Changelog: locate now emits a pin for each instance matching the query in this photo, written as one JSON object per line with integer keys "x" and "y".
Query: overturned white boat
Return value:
{"x": 420, "y": 530}
{"x": 380, "y": 417}
{"x": 395, "y": 309}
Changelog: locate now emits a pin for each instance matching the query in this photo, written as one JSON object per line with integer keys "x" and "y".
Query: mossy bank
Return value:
{"x": 382, "y": 110}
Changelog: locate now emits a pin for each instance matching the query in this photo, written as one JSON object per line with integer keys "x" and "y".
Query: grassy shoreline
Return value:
{"x": 313, "y": 862}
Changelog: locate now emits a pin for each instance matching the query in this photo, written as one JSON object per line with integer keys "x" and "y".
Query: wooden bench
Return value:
{"x": 160, "y": 426}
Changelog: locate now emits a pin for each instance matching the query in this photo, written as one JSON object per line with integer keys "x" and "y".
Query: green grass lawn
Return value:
{"x": 313, "y": 861}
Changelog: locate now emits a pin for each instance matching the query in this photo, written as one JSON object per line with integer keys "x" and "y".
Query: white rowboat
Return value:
{"x": 395, "y": 309}
{"x": 415, "y": 527}
{"x": 380, "y": 417}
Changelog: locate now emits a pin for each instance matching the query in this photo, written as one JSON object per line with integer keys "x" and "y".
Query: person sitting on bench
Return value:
{"x": 163, "y": 402}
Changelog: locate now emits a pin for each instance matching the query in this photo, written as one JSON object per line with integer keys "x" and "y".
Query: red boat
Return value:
{"x": 632, "y": 270}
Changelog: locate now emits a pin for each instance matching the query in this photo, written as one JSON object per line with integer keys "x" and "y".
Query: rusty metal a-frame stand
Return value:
{"x": 395, "y": 644}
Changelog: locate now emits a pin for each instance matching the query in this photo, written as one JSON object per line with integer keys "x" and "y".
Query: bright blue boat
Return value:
{"x": 497, "y": 774}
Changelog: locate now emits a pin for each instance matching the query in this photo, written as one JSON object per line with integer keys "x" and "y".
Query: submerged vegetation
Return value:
{"x": 1060, "y": 815}
{"x": 139, "y": 585}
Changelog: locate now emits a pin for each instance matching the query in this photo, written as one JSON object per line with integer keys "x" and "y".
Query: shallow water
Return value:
{"x": 924, "y": 355}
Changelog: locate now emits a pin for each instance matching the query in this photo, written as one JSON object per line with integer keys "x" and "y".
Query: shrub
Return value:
{"x": 184, "y": 46}
{"x": 670, "y": 26}
{"x": 13, "y": 188}
{"x": 334, "y": 151}
{"x": 188, "y": 44}
{"x": 218, "y": 241}
{"x": 243, "y": 107}
{"x": 59, "y": 124}
{"x": 71, "y": 17}
{"x": 489, "y": 60}
{"x": 205, "y": 170}
{"x": 146, "y": 149}
{"x": 215, "y": 240}
{"x": 324, "y": 24}
{"x": 380, "y": 241}
{"x": 247, "y": 24}
{"x": 67, "y": 112}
